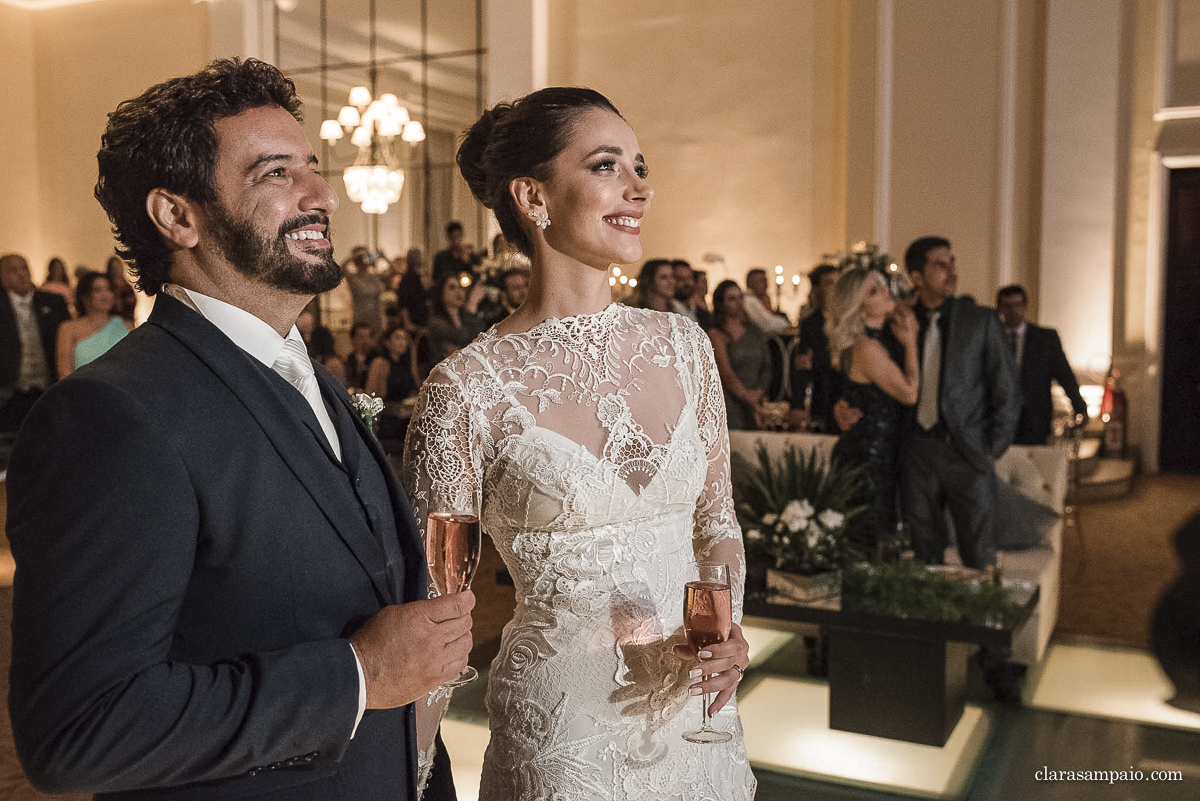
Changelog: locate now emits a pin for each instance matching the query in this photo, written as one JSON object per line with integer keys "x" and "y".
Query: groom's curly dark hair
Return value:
{"x": 165, "y": 139}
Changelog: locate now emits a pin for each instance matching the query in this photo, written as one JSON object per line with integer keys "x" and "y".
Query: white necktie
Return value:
{"x": 296, "y": 368}
{"x": 927, "y": 405}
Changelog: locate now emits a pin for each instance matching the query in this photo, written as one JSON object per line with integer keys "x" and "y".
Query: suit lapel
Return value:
{"x": 276, "y": 407}
{"x": 413, "y": 550}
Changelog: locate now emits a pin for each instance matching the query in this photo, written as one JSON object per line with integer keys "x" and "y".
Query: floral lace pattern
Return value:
{"x": 597, "y": 445}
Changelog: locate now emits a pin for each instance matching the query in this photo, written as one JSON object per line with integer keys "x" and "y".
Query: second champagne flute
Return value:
{"x": 452, "y": 545}
{"x": 707, "y": 620}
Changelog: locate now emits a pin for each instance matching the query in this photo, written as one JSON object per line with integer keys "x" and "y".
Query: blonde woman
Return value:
{"x": 877, "y": 385}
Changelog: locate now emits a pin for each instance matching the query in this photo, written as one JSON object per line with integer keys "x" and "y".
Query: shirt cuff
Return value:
{"x": 362, "y": 692}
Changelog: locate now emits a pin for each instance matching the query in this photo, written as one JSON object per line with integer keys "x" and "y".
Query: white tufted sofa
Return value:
{"x": 1039, "y": 473}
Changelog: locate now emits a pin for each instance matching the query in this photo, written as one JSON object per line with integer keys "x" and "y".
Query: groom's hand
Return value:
{"x": 407, "y": 651}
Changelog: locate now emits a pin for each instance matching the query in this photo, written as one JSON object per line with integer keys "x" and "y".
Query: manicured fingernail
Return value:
{"x": 695, "y": 691}
{"x": 705, "y": 654}
{"x": 695, "y": 673}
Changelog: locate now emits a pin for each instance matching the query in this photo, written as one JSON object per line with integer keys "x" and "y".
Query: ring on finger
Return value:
{"x": 741, "y": 673}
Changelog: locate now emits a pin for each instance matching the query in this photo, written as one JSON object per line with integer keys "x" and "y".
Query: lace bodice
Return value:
{"x": 598, "y": 448}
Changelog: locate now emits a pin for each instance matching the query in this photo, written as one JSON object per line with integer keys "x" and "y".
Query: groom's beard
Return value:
{"x": 267, "y": 258}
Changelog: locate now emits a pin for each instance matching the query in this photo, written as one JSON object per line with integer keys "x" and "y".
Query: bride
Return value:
{"x": 594, "y": 436}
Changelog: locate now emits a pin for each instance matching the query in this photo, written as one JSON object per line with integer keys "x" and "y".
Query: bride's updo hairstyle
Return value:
{"x": 520, "y": 140}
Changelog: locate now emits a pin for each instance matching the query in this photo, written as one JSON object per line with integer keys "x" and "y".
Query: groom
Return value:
{"x": 220, "y": 589}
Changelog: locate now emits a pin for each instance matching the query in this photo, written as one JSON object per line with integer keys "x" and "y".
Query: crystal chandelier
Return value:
{"x": 375, "y": 179}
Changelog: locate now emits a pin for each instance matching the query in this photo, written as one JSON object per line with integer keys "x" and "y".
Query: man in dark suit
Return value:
{"x": 966, "y": 414}
{"x": 29, "y": 322}
{"x": 1039, "y": 355}
{"x": 220, "y": 589}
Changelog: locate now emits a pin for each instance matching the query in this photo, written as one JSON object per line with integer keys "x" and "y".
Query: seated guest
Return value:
{"x": 656, "y": 285}
{"x": 362, "y": 351}
{"x": 95, "y": 330}
{"x": 514, "y": 286}
{"x": 815, "y": 383}
{"x": 455, "y": 319}
{"x": 1040, "y": 359}
{"x": 58, "y": 282}
{"x": 759, "y": 308}
{"x": 743, "y": 360}
{"x": 390, "y": 377}
{"x": 859, "y": 306}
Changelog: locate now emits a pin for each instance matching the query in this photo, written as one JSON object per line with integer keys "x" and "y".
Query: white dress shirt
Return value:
{"x": 263, "y": 342}
{"x": 762, "y": 317}
{"x": 1019, "y": 333}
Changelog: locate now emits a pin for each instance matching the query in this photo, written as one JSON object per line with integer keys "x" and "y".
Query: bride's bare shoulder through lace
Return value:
{"x": 598, "y": 447}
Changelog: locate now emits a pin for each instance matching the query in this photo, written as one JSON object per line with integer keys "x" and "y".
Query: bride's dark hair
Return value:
{"x": 519, "y": 140}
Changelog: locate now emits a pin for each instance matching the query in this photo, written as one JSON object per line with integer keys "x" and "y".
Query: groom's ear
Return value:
{"x": 176, "y": 218}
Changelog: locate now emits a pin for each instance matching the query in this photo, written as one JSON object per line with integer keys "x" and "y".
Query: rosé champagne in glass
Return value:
{"x": 707, "y": 619}
{"x": 452, "y": 546}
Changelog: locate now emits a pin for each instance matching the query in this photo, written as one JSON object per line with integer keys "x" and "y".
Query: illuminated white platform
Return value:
{"x": 465, "y": 743}
{"x": 1120, "y": 683}
{"x": 786, "y": 722}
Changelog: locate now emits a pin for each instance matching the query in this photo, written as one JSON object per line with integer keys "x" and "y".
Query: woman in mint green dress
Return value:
{"x": 95, "y": 330}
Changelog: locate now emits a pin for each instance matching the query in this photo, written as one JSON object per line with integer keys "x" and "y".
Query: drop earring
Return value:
{"x": 540, "y": 218}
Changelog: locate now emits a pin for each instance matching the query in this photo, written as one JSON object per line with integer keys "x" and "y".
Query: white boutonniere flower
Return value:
{"x": 368, "y": 408}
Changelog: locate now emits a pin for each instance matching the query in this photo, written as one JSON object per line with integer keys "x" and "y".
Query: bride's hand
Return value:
{"x": 723, "y": 676}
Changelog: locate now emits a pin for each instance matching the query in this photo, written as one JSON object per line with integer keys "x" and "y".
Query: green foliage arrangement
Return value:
{"x": 778, "y": 512}
{"x": 907, "y": 589}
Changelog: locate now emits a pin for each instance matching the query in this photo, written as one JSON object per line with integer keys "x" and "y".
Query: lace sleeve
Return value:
{"x": 439, "y": 463}
{"x": 718, "y": 537}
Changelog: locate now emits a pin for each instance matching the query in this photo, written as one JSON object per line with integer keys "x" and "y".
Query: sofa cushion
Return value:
{"x": 1021, "y": 521}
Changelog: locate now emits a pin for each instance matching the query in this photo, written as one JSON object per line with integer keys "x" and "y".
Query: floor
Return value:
{"x": 1087, "y": 707}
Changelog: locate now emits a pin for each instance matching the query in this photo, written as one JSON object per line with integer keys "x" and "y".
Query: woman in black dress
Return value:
{"x": 879, "y": 387}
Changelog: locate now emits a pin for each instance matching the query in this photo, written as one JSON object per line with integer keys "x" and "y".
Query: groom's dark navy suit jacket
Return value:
{"x": 190, "y": 558}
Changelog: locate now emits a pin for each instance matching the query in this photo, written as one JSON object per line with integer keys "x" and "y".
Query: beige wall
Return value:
{"x": 945, "y": 123}
{"x": 20, "y": 225}
{"x": 71, "y": 68}
{"x": 738, "y": 109}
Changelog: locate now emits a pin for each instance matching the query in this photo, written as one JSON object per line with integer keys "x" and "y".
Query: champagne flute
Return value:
{"x": 452, "y": 546}
{"x": 707, "y": 619}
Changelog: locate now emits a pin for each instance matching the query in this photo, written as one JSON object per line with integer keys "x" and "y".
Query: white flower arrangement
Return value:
{"x": 779, "y": 516}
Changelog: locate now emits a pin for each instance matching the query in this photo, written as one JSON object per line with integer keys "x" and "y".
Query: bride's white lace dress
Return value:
{"x": 600, "y": 448}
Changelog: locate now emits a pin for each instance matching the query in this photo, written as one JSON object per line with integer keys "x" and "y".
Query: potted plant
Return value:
{"x": 794, "y": 513}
